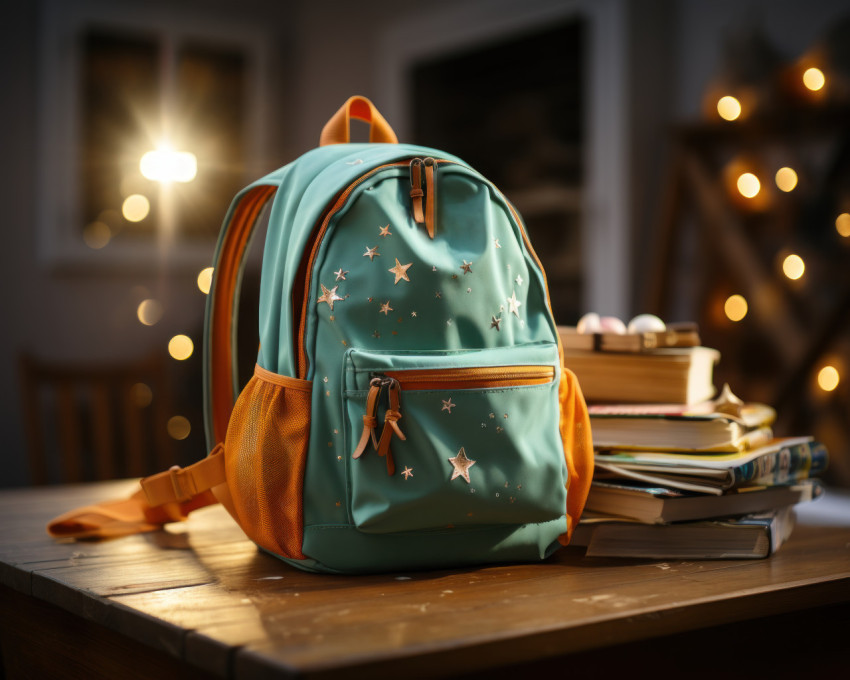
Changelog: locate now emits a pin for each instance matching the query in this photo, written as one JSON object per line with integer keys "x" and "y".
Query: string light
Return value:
{"x": 728, "y": 108}
{"x": 748, "y": 185}
{"x": 180, "y": 347}
{"x": 814, "y": 79}
{"x": 735, "y": 307}
{"x": 205, "y": 280}
{"x": 786, "y": 179}
{"x": 793, "y": 267}
{"x": 828, "y": 378}
{"x": 149, "y": 312}
{"x": 842, "y": 224}
{"x": 135, "y": 208}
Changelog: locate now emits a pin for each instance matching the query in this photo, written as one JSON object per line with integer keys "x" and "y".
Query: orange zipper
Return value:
{"x": 472, "y": 378}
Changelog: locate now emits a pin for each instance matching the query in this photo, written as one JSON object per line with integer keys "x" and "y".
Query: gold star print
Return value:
{"x": 329, "y": 296}
{"x": 447, "y": 405}
{"x": 371, "y": 253}
{"x": 467, "y": 267}
{"x": 495, "y": 321}
{"x": 407, "y": 472}
{"x": 385, "y": 231}
{"x": 385, "y": 308}
{"x": 413, "y": 314}
{"x": 496, "y": 243}
{"x": 340, "y": 274}
{"x": 513, "y": 304}
{"x": 438, "y": 295}
{"x": 461, "y": 464}
{"x": 400, "y": 271}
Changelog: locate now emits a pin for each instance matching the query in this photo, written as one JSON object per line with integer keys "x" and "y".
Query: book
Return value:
{"x": 708, "y": 426}
{"x": 676, "y": 335}
{"x": 661, "y": 505}
{"x": 678, "y": 375}
{"x": 748, "y": 537}
{"x": 781, "y": 461}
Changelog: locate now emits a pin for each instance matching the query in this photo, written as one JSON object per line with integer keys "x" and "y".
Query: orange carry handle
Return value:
{"x": 338, "y": 129}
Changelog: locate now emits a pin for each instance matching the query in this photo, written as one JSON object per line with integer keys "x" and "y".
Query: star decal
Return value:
{"x": 385, "y": 231}
{"x": 371, "y": 253}
{"x": 438, "y": 295}
{"x": 518, "y": 280}
{"x": 467, "y": 267}
{"x": 407, "y": 472}
{"x": 329, "y": 296}
{"x": 413, "y": 314}
{"x": 447, "y": 405}
{"x": 495, "y": 321}
{"x": 513, "y": 304}
{"x": 460, "y": 465}
{"x": 496, "y": 243}
{"x": 400, "y": 271}
{"x": 385, "y": 308}
{"x": 340, "y": 274}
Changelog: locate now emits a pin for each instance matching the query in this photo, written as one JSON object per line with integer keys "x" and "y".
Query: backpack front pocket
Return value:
{"x": 444, "y": 440}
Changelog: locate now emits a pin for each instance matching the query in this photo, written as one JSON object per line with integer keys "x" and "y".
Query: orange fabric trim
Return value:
{"x": 226, "y": 279}
{"x": 282, "y": 380}
{"x": 578, "y": 449}
{"x": 179, "y": 485}
{"x": 338, "y": 129}
{"x": 471, "y": 378}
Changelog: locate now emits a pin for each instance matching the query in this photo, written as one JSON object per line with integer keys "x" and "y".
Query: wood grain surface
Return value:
{"x": 200, "y": 593}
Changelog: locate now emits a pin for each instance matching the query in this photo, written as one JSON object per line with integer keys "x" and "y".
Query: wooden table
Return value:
{"x": 198, "y": 600}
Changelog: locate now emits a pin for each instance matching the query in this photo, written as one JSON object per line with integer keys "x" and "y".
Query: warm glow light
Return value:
{"x": 178, "y": 427}
{"x": 842, "y": 224}
{"x": 167, "y": 165}
{"x": 149, "y": 312}
{"x": 180, "y": 347}
{"x": 205, "y": 280}
{"x": 142, "y": 395}
{"x": 735, "y": 307}
{"x": 96, "y": 235}
{"x": 786, "y": 179}
{"x": 728, "y": 107}
{"x": 793, "y": 267}
{"x": 135, "y": 208}
{"x": 828, "y": 378}
{"x": 814, "y": 79}
{"x": 748, "y": 185}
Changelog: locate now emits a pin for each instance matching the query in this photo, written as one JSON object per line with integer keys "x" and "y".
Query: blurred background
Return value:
{"x": 685, "y": 158}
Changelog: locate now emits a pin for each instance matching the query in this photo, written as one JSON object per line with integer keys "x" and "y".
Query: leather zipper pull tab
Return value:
{"x": 416, "y": 193}
{"x": 431, "y": 194}
{"x": 370, "y": 418}
{"x": 391, "y": 418}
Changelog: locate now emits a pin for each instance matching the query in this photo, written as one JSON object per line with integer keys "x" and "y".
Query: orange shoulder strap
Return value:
{"x": 165, "y": 497}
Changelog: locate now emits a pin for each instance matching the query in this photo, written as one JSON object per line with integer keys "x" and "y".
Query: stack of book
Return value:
{"x": 682, "y": 472}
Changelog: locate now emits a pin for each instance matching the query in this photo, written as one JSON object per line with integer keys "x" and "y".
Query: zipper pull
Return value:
{"x": 416, "y": 193}
{"x": 370, "y": 419}
{"x": 391, "y": 418}
{"x": 431, "y": 193}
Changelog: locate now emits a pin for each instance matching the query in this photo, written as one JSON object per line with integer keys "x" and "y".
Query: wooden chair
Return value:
{"x": 95, "y": 422}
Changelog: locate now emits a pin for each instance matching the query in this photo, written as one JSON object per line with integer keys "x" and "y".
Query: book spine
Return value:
{"x": 785, "y": 466}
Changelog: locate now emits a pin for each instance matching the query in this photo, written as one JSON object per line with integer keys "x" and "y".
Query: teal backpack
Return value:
{"x": 409, "y": 407}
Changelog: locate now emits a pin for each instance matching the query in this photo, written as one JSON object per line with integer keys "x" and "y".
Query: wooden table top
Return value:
{"x": 202, "y": 592}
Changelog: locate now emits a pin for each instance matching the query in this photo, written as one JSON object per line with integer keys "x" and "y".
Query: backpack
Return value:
{"x": 409, "y": 408}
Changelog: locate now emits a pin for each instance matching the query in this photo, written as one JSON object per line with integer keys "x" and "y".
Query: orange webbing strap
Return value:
{"x": 338, "y": 129}
{"x": 224, "y": 299}
{"x": 165, "y": 497}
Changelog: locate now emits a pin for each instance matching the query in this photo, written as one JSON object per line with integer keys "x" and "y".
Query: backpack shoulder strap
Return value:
{"x": 171, "y": 495}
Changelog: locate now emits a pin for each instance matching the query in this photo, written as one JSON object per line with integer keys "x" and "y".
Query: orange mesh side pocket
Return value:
{"x": 265, "y": 457}
{"x": 578, "y": 448}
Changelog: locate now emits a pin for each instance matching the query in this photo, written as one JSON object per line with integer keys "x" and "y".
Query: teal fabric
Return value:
{"x": 473, "y": 296}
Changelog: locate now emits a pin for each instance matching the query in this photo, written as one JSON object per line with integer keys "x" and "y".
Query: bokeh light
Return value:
{"x": 842, "y": 224}
{"x": 748, "y": 185}
{"x": 735, "y": 307}
{"x": 180, "y": 347}
{"x": 166, "y": 165}
{"x": 178, "y": 427}
{"x": 729, "y": 108}
{"x": 141, "y": 394}
{"x": 149, "y": 312}
{"x": 135, "y": 208}
{"x": 793, "y": 267}
{"x": 96, "y": 235}
{"x": 828, "y": 378}
{"x": 786, "y": 179}
{"x": 814, "y": 79}
{"x": 205, "y": 280}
